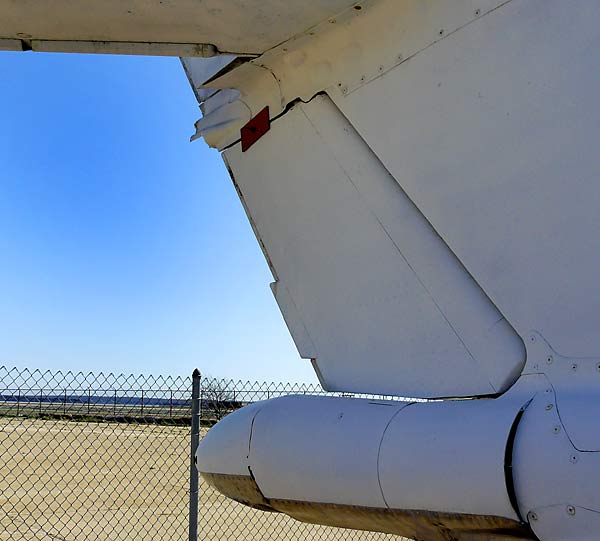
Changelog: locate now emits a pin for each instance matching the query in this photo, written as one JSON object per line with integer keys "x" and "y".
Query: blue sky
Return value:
{"x": 123, "y": 247}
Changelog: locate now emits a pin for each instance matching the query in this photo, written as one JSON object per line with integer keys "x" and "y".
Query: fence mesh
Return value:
{"x": 92, "y": 456}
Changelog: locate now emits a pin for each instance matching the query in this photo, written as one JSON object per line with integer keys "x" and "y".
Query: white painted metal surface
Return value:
{"x": 446, "y": 457}
{"x": 491, "y": 132}
{"x": 10, "y": 45}
{"x": 200, "y": 70}
{"x": 567, "y": 523}
{"x": 346, "y": 52}
{"x": 225, "y": 447}
{"x": 235, "y": 26}
{"x": 324, "y": 459}
{"x": 576, "y": 383}
{"x": 122, "y": 47}
{"x": 556, "y": 484}
{"x": 371, "y": 453}
{"x": 451, "y": 453}
{"x": 382, "y": 303}
{"x": 455, "y": 457}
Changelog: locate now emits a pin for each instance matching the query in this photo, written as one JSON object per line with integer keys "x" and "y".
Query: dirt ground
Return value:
{"x": 67, "y": 481}
{"x": 63, "y": 480}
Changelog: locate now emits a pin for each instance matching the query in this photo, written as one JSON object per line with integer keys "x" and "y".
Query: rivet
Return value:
{"x": 598, "y": 367}
{"x": 571, "y": 510}
{"x": 477, "y": 12}
{"x": 556, "y": 429}
{"x": 574, "y": 367}
{"x": 400, "y": 57}
{"x": 532, "y": 516}
{"x": 441, "y": 32}
{"x": 550, "y": 359}
{"x": 549, "y": 407}
{"x": 573, "y": 459}
{"x": 380, "y": 68}
{"x": 532, "y": 338}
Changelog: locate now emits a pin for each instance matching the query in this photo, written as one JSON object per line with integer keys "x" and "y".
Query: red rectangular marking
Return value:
{"x": 255, "y": 128}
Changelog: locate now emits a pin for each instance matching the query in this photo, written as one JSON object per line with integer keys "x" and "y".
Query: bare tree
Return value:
{"x": 217, "y": 399}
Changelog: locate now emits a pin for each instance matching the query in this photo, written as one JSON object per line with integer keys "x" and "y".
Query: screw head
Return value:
{"x": 573, "y": 459}
{"x": 571, "y": 510}
{"x": 574, "y": 367}
{"x": 549, "y": 359}
{"x": 556, "y": 429}
{"x": 549, "y": 407}
{"x": 532, "y": 516}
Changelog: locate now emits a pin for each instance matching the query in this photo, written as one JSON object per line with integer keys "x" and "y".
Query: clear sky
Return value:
{"x": 123, "y": 247}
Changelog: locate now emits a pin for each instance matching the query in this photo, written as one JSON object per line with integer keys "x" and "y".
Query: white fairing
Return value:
{"x": 556, "y": 479}
{"x": 487, "y": 469}
{"x": 372, "y": 453}
{"x": 227, "y": 444}
{"x": 346, "y": 467}
{"x": 450, "y": 452}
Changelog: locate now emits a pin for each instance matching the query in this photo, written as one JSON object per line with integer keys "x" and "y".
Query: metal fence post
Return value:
{"x": 195, "y": 440}
{"x": 201, "y": 401}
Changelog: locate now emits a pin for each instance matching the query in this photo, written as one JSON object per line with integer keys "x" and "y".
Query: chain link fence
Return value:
{"x": 93, "y": 456}
{"x": 108, "y": 457}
